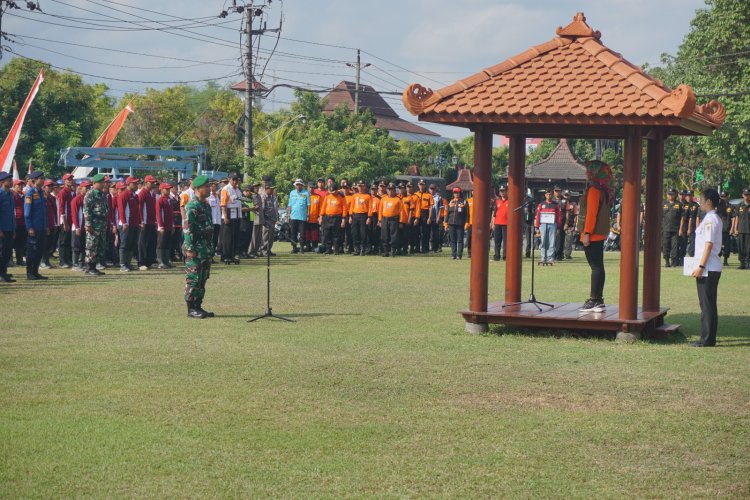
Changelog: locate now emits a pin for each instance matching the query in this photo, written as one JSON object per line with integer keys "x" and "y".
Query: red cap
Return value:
{"x": 120, "y": 185}
{"x": 149, "y": 178}
{"x": 165, "y": 185}
{"x": 67, "y": 176}
{"x": 49, "y": 182}
{"x": 131, "y": 179}
{"x": 85, "y": 183}
{"x": 18, "y": 181}
{"x": 456, "y": 190}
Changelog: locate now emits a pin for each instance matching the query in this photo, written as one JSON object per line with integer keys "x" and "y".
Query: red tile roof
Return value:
{"x": 559, "y": 165}
{"x": 369, "y": 98}
{"x": 572, "y": 79}
{"x": 464, "y": 181}
{"x": 242, "y": 86}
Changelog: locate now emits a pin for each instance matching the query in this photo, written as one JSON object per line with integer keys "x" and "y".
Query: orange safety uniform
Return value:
{"x": 334, "y": 204}
{"x": 392, "y": 206}
{"x": 470, "y": 201}
{"x": 361, "y": 203}
{"x": 409, "y": 206}
{"x": 374, "y": 206}
{"x": 424, "y": 201}
{"x": 313, "y": 211}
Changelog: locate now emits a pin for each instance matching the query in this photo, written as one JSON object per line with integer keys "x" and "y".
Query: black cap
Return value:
{"x": 548, "y": 190}
{"x": 235, "y": 177}
{"x": 35, "y": 174}
{"x": 683, "y": 192}
{"x": 391, "y": 185}
{"x": 5, "y": 175}
{"x": 672, "y": 191}
{"x": 746, "y": 191}
{"x": 320, "y": 179}
{"x": 266, "y": 178}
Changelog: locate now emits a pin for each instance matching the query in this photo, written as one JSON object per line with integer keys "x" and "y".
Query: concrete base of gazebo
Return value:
{"x": 566, "y": 316}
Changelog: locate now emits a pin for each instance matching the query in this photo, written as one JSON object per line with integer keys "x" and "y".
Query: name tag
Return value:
{"x": 547, "y": 218}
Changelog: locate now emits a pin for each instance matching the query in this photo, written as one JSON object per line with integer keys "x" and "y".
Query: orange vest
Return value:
{"x": 334, "y": 204}
{"x": 313, "y": 211}
{"x": 391, "y": 207}
{"x": 374, "y": 205}
{"x": 361, "y": 204}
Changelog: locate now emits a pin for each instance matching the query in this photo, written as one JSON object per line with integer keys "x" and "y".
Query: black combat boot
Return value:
{"x": 193, "y": 312}
{"x": 199, "y": 307}
{"x": 667, "y": 263}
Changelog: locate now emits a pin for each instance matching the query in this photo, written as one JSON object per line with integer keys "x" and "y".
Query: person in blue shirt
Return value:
{"x": 35, "y": 215}
{"x": 299, "y": 204}
{"x": 7, "y": 225}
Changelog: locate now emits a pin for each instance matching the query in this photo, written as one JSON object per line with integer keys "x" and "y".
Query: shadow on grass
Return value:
{"x": 290, "y": 315}
{"x": 508, "y": 330}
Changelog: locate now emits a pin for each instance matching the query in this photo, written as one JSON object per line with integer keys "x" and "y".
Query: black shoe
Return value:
{"x": 40, "y": 277}
{"x": 496, "y": 257}
{"x": 94, "y": 272}
{"x": 32, "y": 277}
{"x": 295, "y": 250}
{"x": 700, "y": 344}
{"x": 195, "y": 313}
{"x": 593, "y": 305}
{"x": 199, "y": 307}
{"x": 454, "y": 257}
{"x": 6, "y": 278}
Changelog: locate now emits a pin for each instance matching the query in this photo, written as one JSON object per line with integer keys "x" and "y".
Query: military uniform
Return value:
{"x": 35, "y": 216}
{"x": 671, "y": 220}
{"x": 691, "y": 210}
{"x": 682, "y": 240}
{"x": 96, "y": 215}
{"x": 197, "y": 238}
{"x": 742, "y": 231}
{"x": 7, "y": 228}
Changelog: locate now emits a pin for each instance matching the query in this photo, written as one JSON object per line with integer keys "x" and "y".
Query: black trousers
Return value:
{"x": 332, "y": 234}
{"x": 425, "y": 232}
{"x": 347, "y": 234}
{"x": 34, "y": 249}
{"x": 501, "y": 238}
{"x": 78, "y": 244}
{"x": 389, "y": 234}
{"x": 359, "y": 231}
{"x": 214, "y": 237}
{"x": 595, "y": 257}
{"x": 176, "y": 250}
{"x": 6, "y": 252}
{"x": 743, "y": 247}
{"x": 670, "y": 243}
{"x": 468, "y": 240}
{"x": 457, "y": 239}
{"x": 297, "y": 230}
{"x": 559, "y": 243}
{"x": 63, "y": 246}
{"x": 49, "y": 244}
{"x": 529, "y": 231}
{"x": 707, "y": 297}
{"x": 436, "y": 236}
{"x": 147, "y": 245}
{"x": 19, "y": 244}
{"x": 414, "y": 232}
{"x": 245, "y": 235}
{"x": 373, "y": 233}
{"x": 230, "y": 239}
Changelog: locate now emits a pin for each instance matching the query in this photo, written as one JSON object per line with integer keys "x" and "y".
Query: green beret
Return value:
{"x": 98, "y": 178}
{"x": 199, "y": 181}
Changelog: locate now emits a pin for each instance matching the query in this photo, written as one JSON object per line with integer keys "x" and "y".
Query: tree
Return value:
{"x": 66, "y": 112}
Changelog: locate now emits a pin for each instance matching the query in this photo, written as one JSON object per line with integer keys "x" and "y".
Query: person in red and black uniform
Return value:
{"x": 129, "y": 223}
{"x": 19, "y": 242}
{"x": 593, "y": 224}
{"x": 500, "y": 218}
{"x": 175, "y": 253}
{"x": 457, "y": 216}
{"x": 147, "y": 236}
{"x": 52, "y": 224}
{"x": 64, "y": 197}
{"x": 78, "y": 227}
{"x": 165, "y": 225}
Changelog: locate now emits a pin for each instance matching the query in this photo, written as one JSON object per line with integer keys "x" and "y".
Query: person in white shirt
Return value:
{"x": 708, "y": 270}
{"x": 215, "y": 202}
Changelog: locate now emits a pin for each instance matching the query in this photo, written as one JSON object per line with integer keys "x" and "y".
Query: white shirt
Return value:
{"x": 709, "y": 230}
{"x": 213, "y": 200}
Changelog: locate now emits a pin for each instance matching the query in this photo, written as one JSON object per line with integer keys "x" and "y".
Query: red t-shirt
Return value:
{"x": 501, "y": 212}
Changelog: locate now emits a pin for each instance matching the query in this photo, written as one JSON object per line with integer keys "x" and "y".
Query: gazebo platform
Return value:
{"x": 565, "y": 316}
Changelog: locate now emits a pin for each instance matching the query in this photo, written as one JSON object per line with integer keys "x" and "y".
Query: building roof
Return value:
{"x": 559, "y": 165}
{"x": 385, "y": 116}
{"x": 464, "y": 181}
{"x": 242, "y": 86}
{"x": 572, "y": 79}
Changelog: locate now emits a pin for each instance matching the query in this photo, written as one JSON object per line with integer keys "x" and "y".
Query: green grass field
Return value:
{"x": 108, "y": 390}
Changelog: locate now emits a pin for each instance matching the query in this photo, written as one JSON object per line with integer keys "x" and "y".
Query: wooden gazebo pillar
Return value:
{"x": 480, "y": 236}
{"x": 516, "y": 196}
{"x": 631, "y": 198}
{"x": 652, "y": 233}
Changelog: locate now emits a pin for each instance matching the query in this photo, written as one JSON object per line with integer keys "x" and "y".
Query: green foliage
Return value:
{"x": 713, "y": 59}
{"x": 542, "y": 151}
{"x": 66, "y": 112}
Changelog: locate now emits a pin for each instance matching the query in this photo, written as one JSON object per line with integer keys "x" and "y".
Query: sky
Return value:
{"x": 432, "y": 42}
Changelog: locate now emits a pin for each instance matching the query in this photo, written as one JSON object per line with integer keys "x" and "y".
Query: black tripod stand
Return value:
{"x": 532, "y": 297}
{"x": 269, "y": 312}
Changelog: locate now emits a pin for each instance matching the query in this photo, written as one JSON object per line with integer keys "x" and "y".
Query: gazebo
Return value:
{"x": 559, "y": 168}
{"x": 571, "y": 86}
{"x": 463, "y": 181}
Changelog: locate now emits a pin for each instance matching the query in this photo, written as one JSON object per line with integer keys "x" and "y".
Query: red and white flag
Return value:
{"x": 16, "y": 177}
{"x": 110, "y": 133}
{"x": 31, "y": 167}
{"x": 8, "y": 151}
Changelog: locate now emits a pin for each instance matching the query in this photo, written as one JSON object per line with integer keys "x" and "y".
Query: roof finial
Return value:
{"x": 578, "y": 28}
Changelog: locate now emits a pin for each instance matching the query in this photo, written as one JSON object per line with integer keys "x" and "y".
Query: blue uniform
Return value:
{"x": 299, "y": 204}
{"x": 35, "y": 215}
{"x": 8, "y": 227}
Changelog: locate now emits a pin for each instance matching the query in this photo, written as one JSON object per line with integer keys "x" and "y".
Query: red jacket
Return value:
{"x": 164, "y": 213}
{"x": 18, "y": 200}
{"x": 546, "y": 208}
{"x": 148, "y": 206}
{"x": 52, "y": 220}
{"x": 76, "y": 212}
{"x": 128, "y": 209}
{"x": 501, "y": 212}
{"x": 64, "y": 197}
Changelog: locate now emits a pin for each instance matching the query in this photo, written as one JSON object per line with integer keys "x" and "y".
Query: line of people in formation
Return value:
{"x": 143, "y": 221}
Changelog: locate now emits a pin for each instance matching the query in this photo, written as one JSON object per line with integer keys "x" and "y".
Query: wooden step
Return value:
{"x": 666, "y": 329}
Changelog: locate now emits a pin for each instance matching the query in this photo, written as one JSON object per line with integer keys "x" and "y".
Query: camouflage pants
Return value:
{"x": 96, "y": 246}
{"x": 197, "y": 272}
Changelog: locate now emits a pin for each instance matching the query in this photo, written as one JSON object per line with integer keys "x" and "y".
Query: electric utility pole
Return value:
{"x": 358, "y": 66}
{"x": 249, "y": 84}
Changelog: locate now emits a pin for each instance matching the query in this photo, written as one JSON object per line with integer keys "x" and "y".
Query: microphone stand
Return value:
{"x": 532, "y": 297}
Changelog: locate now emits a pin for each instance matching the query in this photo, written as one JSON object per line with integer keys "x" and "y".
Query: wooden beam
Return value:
{"x": 516, "y": 197}
{"x": 652, "y": 235}
{"x": 480, "y": 231}
{"x": 630, "y": 227}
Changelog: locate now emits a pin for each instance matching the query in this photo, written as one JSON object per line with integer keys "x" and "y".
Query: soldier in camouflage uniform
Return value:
{"x": 198, "y": 248}
{"x": 96, "y": 215}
